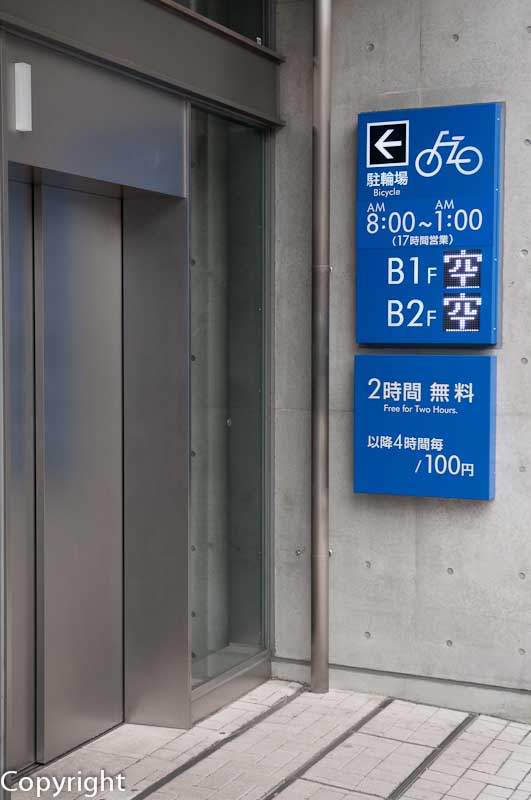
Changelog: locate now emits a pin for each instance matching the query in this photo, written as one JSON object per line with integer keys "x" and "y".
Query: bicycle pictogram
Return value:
{"x": 467, "y": 160}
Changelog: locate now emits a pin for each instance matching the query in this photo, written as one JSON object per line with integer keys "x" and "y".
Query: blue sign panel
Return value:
{"x": 425, "y": 425}
{"x": 428, "y": 225}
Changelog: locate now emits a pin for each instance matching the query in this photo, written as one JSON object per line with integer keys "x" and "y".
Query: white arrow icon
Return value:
{"x": 382, "y": 144}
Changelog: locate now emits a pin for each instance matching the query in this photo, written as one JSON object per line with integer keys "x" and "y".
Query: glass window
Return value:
{"x": 227, "y": 265}
{"x": 247, "y": 17}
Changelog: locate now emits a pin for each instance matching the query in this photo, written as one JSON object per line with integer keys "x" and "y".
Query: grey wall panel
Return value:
{"x": 140, "y": 142}
{"x": 79, "y": 468}
{"x": 20, "y": 483}
{"x": 155, "y": 40}
{"x": 156, "y": 461}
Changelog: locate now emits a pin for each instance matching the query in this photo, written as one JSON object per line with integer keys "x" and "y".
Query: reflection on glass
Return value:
{"x": 244, "y": 16}
{"x": 226, "y": 380}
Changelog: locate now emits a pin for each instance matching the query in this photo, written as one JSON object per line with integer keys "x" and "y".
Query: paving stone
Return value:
{"x": 419, "y": 793}
{"x": 135, "y": 741}
{"x": 492, "y": 780}
{"x": 466, "y": 789}
{"x": 495, "y": 792}
{"x": 514, "y": 732}
{"x": 514, "y": 769}
{"x": 307, "y": 790}
{"x": 427, "y": 782}
{"x": 433, "y": 774}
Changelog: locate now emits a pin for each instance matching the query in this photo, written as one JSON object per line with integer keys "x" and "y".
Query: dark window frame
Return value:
{"x": 268, "y": 39}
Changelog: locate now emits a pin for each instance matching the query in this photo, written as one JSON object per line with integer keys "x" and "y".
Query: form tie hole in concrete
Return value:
{"x": 367, "y": 634}
{"x": 370, "y": 47}
{"x": 527, "y": 142}
{"x": 521, "y": 651}
{"x": 450, "y": 571}
{"x": 368, "y": 564}
{"x": 449, "y": 643}
{"x": 522, "y": 468}
{"x": 524, "y": 360}
{"x": 521, "y": 575}
{"x": 455, "y": 37}
{"x": 524, "y": 252}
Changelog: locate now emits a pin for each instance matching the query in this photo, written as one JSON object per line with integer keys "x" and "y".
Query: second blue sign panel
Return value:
{"x": 428, "y": 225}
{"x": 424, "y": 426}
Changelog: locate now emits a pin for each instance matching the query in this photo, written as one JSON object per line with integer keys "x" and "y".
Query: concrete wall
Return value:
{"x": 432, "y": 588}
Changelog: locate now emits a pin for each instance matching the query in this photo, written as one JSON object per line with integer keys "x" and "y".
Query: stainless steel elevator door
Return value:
{"x": 20, "y": 482}
{"x": 79, "y": 472}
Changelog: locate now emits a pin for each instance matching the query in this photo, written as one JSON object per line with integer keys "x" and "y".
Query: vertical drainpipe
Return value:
{"x": 320, "y": 343}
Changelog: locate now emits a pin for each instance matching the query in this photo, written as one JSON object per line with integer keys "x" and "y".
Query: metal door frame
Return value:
{"x": 142, "y": 700}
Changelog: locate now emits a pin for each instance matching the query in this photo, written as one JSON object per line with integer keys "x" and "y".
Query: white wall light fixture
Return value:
{"x": 23, "y": 120}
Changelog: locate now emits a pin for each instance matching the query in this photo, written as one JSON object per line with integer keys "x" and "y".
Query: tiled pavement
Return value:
{"x": 337, "y": 746}
{"x": 145, "y": 754}
{"x": 258, "y": 762}
{"x": 489, "y": 760}
{"x": 378, "y": 759}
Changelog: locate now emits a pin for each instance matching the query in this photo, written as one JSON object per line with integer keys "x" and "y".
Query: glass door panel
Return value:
{"x": 227, "y": 395}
